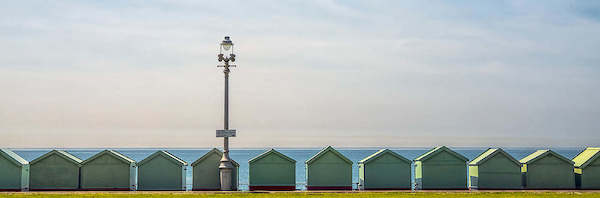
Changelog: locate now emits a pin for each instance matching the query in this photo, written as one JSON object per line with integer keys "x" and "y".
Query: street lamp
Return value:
{"x": 226, "y": 167}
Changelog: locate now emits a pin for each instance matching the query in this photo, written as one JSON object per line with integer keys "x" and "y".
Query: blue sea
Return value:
{"x": 300, "y": 155}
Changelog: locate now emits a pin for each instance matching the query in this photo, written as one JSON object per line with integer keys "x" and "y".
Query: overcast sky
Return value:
{"x": 311, "y": 73}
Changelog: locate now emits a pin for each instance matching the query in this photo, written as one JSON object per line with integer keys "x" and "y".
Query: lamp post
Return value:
{"x": 226, "y": 167}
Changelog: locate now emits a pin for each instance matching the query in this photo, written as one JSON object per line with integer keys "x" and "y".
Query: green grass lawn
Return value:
{"x": 307, "y": 194}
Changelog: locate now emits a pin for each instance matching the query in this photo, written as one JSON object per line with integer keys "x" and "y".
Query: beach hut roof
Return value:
{"x": 65, "y": 155}
{"x": 586, "y": 157}
{"x": 437, "y": 150}
{"x": 381, "y": 153}
{"x": 13, "y": 157}
{"x": 325, "y": 150}
{"x": 113, "y": 153}
{"x": 213, "y": 151}
{"x": 539, "y": 154}
{"x": 165, "y": 154}
{"x": 489, "y": 153}
{"x": 269, "y": 152}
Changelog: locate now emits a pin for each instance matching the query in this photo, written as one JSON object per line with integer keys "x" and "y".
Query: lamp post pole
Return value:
{"x": 226, "y": 166}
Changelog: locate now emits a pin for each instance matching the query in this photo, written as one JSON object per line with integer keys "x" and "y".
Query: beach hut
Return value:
{"x": 55, "y": 170}
{"x": 161, "y": 171}
{"x": 206, "y": 171}
{"x": 272, "y": 170}
{"x": 441, "y": 168}
{"x": 14, "y": 172}
{"x": 545, "y": 169}
{"x": 384, "y": 170}
{"x": 587, "y": 169}
{"x": 108, "y": 170}
{"x": 494, "y": 169}
{"x": 328, "y": 170}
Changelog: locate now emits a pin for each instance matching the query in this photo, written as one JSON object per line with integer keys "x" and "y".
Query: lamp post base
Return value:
{"x": 226, "y": 178}
{"x": 226, "y": 172}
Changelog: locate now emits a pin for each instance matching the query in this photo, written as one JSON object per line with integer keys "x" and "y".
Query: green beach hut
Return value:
{"x": 108, "y": 170}
{"x": 441, "y": 168}
{"x": 272, "y": 170}
{"x": 205, "y": 171}
{"x": 587, "y": 169}
{"x": 328, "y": 170}
{"x": 384, "y": 170}
{"x": 161, "y": 171}
{"x": 495, "y": 169}
{"x": 55, "y": 170}
{"x": 545, "y": 169}
{"x": 14, "y": 172}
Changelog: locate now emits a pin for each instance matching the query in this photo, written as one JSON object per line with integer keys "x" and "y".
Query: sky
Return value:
{"x": 133, "y": 74}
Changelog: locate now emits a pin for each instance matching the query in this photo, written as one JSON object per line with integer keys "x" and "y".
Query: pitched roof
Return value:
{"x": 533, "y": 155}
{"x": 63, "y": 154}
{"x": 164, "y": 154}
{"x": 213, "y": 151}
{"x": 269, "y": 152}
{"x": 326, "y": 150}
{"x": 489, "y": 153}
{"x": 539, "y": 154}
{"x": 437, "y": 150}
{"x": 13, "y": 157}
{"x": 586, "y": 157}
{"x": 113, "y": 153}
{"x": 381, "y": 153}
